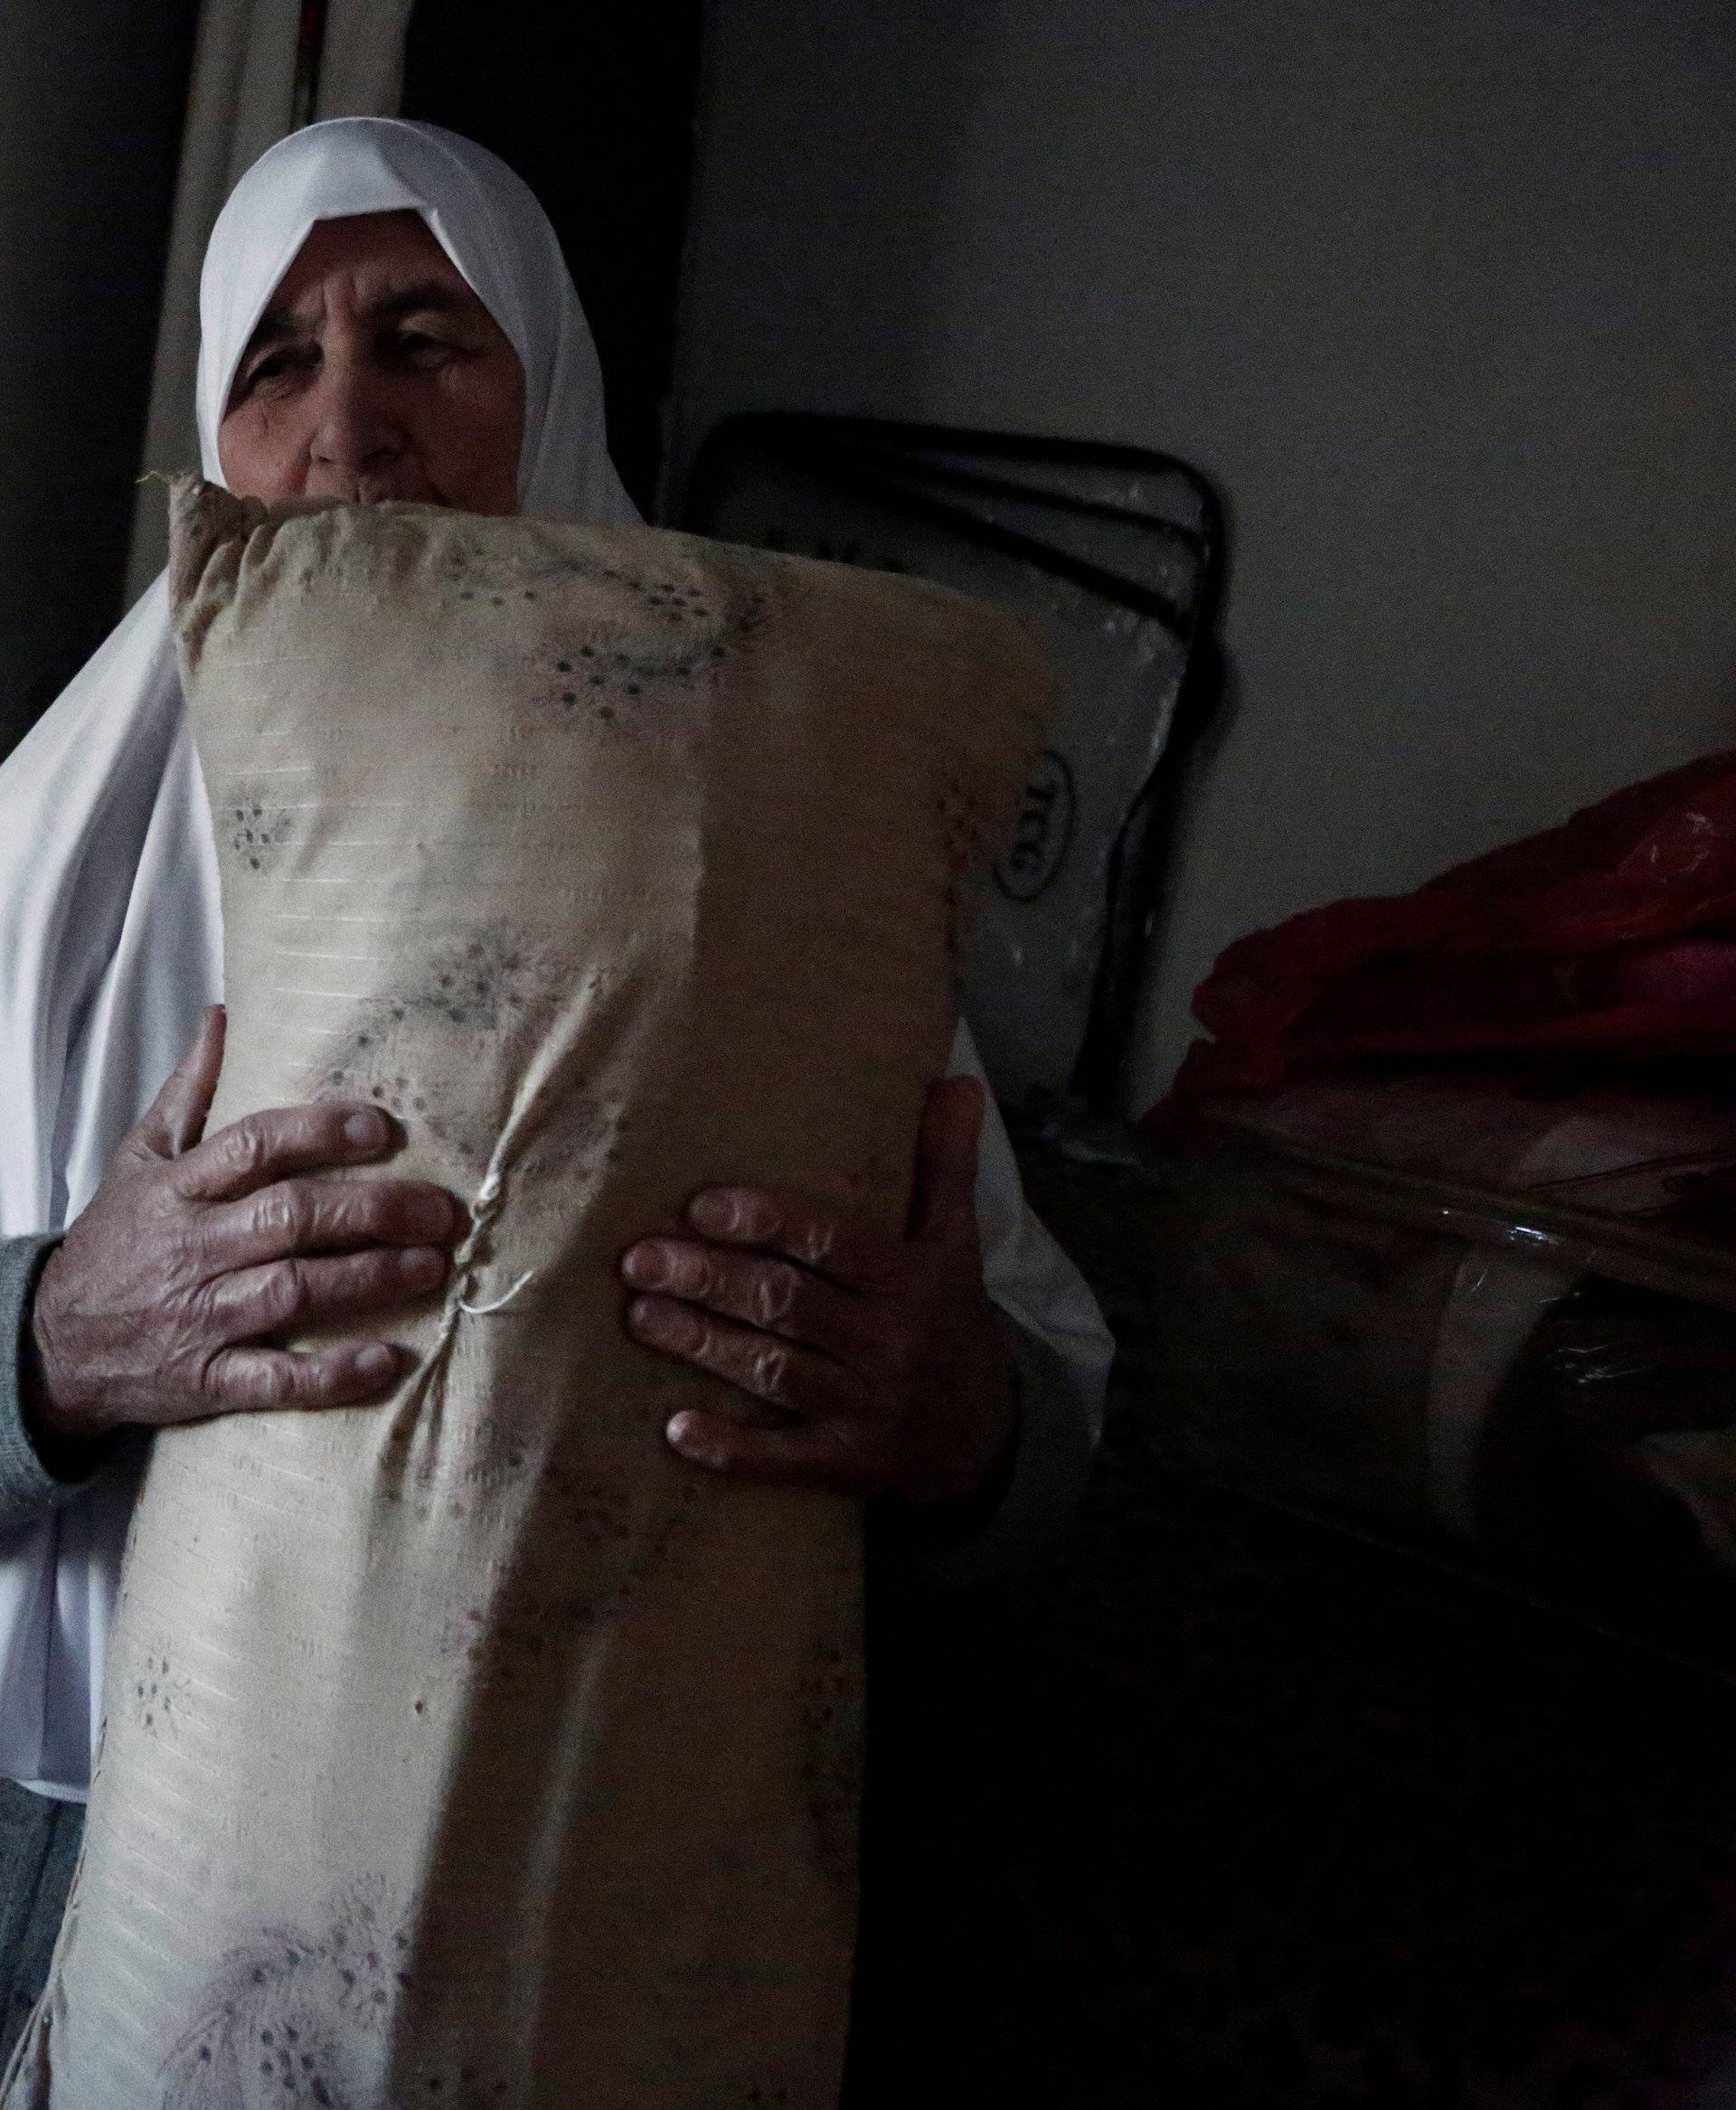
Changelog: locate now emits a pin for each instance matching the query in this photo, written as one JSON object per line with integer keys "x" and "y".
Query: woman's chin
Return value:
{"x": 395, "y": 492}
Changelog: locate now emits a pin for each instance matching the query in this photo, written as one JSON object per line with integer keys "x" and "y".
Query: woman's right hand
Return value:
{"x": 156, "y": 1305}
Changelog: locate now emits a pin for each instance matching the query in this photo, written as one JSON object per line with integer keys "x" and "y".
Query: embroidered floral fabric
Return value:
{"x": 475, "y": 1749}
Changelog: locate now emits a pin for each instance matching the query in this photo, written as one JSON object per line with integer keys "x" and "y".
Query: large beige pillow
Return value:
{"x": 477, "y": 1749}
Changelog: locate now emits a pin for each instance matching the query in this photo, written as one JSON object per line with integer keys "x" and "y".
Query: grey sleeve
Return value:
{"x": 29, "y": 1489}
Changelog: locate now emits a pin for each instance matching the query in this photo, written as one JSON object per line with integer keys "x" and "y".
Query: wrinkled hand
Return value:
{"x": 156, "y": 1306}
{"x": 893, "y": 1369}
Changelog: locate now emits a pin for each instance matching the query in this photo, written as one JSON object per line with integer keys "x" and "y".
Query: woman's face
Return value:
{"x": 375, "y": 372}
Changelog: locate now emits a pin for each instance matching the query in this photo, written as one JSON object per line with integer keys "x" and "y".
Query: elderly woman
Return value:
{"x": 386, "y": 315}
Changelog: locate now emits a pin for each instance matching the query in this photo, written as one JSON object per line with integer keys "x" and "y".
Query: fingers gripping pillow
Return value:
{"x": 475, "y": 1749}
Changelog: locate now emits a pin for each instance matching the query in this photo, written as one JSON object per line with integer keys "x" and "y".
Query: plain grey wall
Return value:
{"x": 92, "y": 97}
{"x": 1441, "y": 292}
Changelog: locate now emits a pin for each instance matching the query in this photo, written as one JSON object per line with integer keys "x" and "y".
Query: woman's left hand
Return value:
{"x": 885, "y": 1353}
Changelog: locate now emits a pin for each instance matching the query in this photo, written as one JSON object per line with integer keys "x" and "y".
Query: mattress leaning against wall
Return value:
{"x": 475, "y": 1749}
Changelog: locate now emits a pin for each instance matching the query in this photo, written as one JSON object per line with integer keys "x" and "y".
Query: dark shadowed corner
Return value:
{"x": 843, "y": 200}
{"x": 94, "y": 101}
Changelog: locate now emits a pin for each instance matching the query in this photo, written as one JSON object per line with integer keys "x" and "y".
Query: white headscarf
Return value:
{"x": 110, "y": 931}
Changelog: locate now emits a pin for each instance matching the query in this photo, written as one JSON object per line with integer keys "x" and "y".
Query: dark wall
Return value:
{"x": 92, "y": 99}
{"x": 594, "y": 108}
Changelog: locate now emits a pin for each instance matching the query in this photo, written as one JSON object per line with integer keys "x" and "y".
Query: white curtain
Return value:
{"x": 243, "y": 98}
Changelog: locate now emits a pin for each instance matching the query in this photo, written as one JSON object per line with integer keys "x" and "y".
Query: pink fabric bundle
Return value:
{"x": 1613, "y": 935}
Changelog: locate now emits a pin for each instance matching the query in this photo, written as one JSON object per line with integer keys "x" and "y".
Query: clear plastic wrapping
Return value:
{"x": 1450, "y": 1304}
